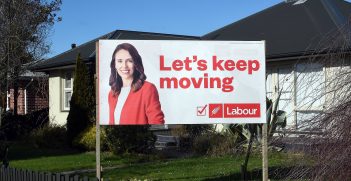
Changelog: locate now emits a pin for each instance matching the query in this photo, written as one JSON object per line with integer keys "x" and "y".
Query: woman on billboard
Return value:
{"x": 132, "y": 100}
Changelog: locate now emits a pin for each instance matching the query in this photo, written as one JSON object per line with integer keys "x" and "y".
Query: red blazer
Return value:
{"x": 141, "y": 107}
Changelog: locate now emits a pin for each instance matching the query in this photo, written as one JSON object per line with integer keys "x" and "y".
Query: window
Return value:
{"x": 286, "y": 86}
{"x": 309, "y": 86}
{"x": 310, "y": 93}
{"x": 302, "y": 89}
{"x": 67, "y": 91}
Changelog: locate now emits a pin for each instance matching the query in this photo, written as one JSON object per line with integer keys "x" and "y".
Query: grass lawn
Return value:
{"x": 202, "y": 168}
{"x": 143, "y": 167}
{"x": 22, "y": 155}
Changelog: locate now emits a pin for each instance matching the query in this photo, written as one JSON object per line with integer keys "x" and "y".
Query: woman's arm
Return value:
{"x": 153, "y": 107}
{"x": 111, "y": 105}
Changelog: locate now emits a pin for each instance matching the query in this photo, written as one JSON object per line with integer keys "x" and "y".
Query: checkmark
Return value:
{"x": 201, "y": 111}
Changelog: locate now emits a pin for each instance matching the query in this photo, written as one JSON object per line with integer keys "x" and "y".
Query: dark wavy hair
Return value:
{"x": 138, "y": 76}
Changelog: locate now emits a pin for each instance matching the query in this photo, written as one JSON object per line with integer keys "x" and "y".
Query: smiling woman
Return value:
{"x": 132, "y": 100}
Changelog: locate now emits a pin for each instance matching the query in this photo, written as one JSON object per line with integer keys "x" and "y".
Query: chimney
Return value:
{"x": 73, "y": 45}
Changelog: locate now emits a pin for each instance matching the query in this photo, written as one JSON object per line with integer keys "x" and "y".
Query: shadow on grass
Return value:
{"x": 279, "y": 173}
{"x": 23, "y": 150}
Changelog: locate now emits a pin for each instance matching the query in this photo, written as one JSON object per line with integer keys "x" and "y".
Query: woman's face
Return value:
{"x": 124, "y": 65}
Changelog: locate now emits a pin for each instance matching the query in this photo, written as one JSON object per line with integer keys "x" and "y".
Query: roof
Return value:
{"x": 289, "y": 29}
{"x": 87, "y": 50}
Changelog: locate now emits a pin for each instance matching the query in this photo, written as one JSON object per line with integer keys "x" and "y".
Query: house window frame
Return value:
{"x": 310, "y": 109}
{"x": 66, "y": 90}
{"x": 273, "y": 70}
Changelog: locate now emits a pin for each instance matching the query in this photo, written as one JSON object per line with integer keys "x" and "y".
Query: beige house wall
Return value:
{"x": 56, "y": 113}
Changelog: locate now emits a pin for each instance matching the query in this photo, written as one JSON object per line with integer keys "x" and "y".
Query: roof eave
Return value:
{"x": 66, "y": 65}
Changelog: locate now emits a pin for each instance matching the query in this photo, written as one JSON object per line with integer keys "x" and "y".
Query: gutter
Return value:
{"x": 58, "y": 66}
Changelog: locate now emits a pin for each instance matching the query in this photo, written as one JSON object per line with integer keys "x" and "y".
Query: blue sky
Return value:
{"x": 83, "y": 21}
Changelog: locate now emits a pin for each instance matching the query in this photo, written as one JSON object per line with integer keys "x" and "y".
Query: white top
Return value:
{"x": 122, "y": 97}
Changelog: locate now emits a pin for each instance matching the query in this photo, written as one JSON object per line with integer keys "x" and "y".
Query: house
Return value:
{"x": 60, "y": 68}
{"x": 32, "y": 93}
{"x": 294, "y": 32}
{"x": 300, "y": 37}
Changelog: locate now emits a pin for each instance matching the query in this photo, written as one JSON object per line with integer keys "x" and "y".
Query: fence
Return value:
{"x": 13, "y": 174}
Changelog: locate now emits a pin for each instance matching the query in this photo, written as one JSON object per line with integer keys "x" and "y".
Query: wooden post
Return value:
{"x": 265, "y": 141}
{"x": 98, "y": 165}
{"x": 264, "y": 153}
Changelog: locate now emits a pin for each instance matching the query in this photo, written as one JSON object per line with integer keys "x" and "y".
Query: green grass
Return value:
{"x": 201, "y": 168}
{"x": 184, "y": 169}
{"x": 148, "y": 167}
{"x": 56, "y": 163}
{"x": 22, "y": 155}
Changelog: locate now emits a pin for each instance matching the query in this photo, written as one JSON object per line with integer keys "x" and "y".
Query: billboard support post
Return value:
{"x": 264, "y": 153}
{"x": 97, "y": 146}
{"x": 265, "y": 140}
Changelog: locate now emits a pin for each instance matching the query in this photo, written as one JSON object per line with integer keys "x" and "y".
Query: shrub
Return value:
{"x": 17, "y": 126}
{"x": 214, "y": 144}
{"x": 77, "y": 121}
{"x": 82, "y": 104}
{"x": 224, "y": 144}
{"x": 187, "y": 134}
{"x": 50, "y": 136}
{"x": 129, "y": 139}
{"x": 3, "y": 146}
{"x": 86, "y": 140}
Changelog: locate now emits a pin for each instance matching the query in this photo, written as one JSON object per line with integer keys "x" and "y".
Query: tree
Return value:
{"x": 24, "y": 27}
{"x": 330, "y": 149}
{"x": 82, "y": 102}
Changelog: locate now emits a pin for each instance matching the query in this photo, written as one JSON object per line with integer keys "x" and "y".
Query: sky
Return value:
{"x": 84, "y": 20}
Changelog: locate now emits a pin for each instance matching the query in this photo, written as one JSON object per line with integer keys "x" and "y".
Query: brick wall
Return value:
{"x": 37, "y": 95}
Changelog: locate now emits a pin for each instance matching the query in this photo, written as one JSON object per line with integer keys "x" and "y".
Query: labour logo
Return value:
{"x": 247, "y": 110}
{"x": 215, "y": 111}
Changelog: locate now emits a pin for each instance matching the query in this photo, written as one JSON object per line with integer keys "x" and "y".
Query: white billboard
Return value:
{"x": 181, "y": 82}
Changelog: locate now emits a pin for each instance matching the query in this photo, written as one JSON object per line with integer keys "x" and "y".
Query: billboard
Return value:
{"x": 181, "y": 82}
